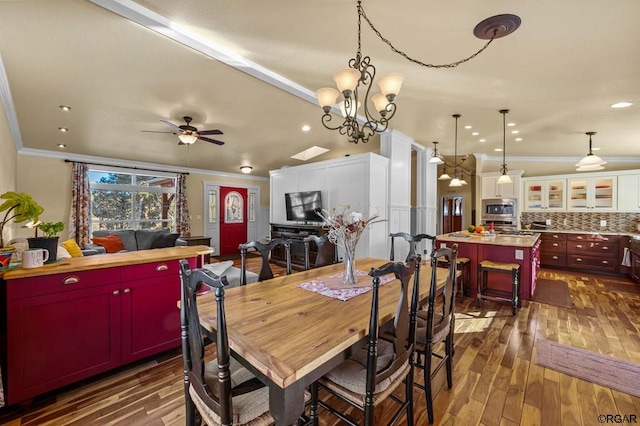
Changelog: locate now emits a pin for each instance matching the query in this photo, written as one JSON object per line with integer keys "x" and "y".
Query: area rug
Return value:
{"x": 618, "y": 287}
{"x": 553, "y": 292}
{"x": 593, "y": 367}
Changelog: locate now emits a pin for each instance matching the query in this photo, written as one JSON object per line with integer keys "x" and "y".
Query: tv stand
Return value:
{"x": 297, "y": 233}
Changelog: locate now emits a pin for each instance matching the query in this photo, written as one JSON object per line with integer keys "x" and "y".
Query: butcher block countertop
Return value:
{"x": 108, "y": 261}
{"x": 496, "y": 239}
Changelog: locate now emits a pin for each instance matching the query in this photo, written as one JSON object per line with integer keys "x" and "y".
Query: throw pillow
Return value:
{"x": 111, "y": 243}
{"x": 164, "y": 240}
{"x": 73, "y": 248}
{"x": 63, "y": 253}
{"x": 219, "y": 268}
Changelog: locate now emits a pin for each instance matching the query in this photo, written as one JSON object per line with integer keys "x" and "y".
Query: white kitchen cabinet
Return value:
{"x": 592, "y": 193}
{"x": 629, "y": 193}
{"x": 544, "y": 194}
{"x": 491, "y": 188}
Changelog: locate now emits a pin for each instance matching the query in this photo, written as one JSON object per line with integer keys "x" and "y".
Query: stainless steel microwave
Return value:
{"x": 499, "y": 209}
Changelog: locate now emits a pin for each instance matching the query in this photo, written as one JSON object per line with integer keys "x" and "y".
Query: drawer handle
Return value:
{"x": 579, "y": 245}
{"x": 116, "y": 292}
{"x": 605, "y": 248}
{"x": 162, "y": 267}
{"x": 578, "y": 260}
{"x": 555, "y": 257}
{"x": 578, "y": 238}
{"x": 127, "y": 290}
{"x": 604, "y": 262}
{"x": 71, "y": 280}
{"x": 556, "y": 244}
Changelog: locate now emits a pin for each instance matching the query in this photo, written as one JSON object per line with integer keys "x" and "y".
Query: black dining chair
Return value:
{"x": 264, "y": 249}
{"x": 378, "y": 367}
{"x": 221, "y": 391}
{"x": 413, "y": 241}
{"x": 324, "y": 254}
{"x": 437, "y": 327}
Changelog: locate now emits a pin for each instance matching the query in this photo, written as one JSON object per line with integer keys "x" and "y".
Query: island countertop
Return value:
{"x": 108, "y": 260}
{"x": 496, "y": 239}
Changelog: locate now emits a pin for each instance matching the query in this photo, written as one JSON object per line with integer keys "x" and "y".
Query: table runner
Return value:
{"x": 326, "y": 285}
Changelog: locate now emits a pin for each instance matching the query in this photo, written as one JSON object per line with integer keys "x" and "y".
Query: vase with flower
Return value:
{"x": 344, "y": 228}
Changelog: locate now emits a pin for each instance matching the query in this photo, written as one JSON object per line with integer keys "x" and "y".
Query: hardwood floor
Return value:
{"x": 496, "y": 380}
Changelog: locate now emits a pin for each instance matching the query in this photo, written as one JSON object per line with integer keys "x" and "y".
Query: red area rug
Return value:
{"x": 593, "y": 367}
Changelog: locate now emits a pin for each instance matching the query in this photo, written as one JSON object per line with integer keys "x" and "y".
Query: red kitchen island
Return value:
{"x": 521, "y": 249}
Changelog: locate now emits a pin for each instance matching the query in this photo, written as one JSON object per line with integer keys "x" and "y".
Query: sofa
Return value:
{"x": 135, "y": 239}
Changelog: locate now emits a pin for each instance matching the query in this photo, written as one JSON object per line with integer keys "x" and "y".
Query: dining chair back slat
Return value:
{"x": 413, "y": 241}
{"x": 265, "y": 250}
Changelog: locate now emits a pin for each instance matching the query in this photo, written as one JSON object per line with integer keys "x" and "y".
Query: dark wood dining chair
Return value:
{"x": 413, "y": 241}
{"x": 264, "y": 249}
{"x": 220, "y": 392}
{"x": 378, "y": 367}
{"x": 323, "y": 253}
{"x": 437, "y": 327}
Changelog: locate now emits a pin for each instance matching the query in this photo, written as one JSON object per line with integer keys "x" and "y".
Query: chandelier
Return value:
{"x": 591, "y": 162}
{"x": 354, "y": 83}
{"x": 504, "y": 177}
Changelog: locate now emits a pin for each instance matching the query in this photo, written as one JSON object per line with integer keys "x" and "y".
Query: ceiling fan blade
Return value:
{"x": 157, "y": 131}
{"x": 210, "y": 140}
{"x": 211, "y": 132}
{"x": 173, "y": 126}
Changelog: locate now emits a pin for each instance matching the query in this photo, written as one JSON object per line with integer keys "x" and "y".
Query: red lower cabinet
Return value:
{"x": 62, "y": 328}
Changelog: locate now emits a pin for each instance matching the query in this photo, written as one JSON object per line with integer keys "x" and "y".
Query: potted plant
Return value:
{"x": 19, "y": 207}
{"x": 50, "y": 239}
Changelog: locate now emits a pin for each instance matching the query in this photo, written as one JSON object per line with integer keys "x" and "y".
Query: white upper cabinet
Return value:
{"x": 491, "y": 188}
{"x": 592, "y": 193}
{"x": 629, "y": 193}
{"x": 544, "y": 194}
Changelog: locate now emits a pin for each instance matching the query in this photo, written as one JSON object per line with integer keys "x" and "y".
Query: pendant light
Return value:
{"x": 455, "y": 181}
{"x": 435, "y": 155}
{"x": 462, "y": 181}
{"x": 444, "y": 175}
{"x": 504, "y": 177}
{"x": 591, "y": 162}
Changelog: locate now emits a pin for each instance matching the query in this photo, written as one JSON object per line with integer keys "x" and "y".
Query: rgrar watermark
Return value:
{"x": 618, "y": 418}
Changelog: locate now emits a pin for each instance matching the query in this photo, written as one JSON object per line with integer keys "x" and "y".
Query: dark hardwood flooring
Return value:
{"x": 496, "y": 380}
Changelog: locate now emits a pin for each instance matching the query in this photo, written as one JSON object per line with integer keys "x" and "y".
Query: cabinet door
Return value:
{"x": 60, "y": 338}
{"x": 491, "y": 188}
{"x": 555, "y": 194}
{"x": 150, "y": 316}
{"x": 629, "y": 193}
{"x": 592, "y": 193}
{"x": 604, "y": 193}
{"x": 534, "y": 195}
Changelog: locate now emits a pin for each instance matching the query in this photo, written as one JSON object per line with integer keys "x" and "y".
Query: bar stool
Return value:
{"x": 484, "y": 292}
{"x": 464, "y": 281}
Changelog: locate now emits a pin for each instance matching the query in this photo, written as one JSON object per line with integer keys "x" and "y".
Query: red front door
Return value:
{"x": 233, "y": 219}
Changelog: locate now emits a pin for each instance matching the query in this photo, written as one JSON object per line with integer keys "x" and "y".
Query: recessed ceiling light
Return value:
{"x": 621, "y": 105}
{"x": 498, "y": 149}
{"x": 65, "y": 108}
{"x": 511, "y": 124}
{"x": 306, "y": 128}
{"x": 468, "y": 127}
{"x": 61, "y": 145}
{"x": 63, "y": 129}
{"x": 475, "y": 133}
{"x": 482, "y": 140}
{"x": 518, "y": 139}
{"x": 515, "y": 132}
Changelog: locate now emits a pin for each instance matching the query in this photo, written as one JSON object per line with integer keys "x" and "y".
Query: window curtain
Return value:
{"x": 182, "y": 208}
{"x": 80, "y": 204}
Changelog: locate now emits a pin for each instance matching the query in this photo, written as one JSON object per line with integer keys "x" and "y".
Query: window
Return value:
{"x": 124, "y": 199}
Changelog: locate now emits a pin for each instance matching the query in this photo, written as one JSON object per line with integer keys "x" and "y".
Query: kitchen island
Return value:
{"x": 523, "y": 249}
{"x": 78, "y": 317}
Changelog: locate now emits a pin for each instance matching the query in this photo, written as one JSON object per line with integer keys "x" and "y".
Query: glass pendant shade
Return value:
{"x": 380, "y": 102}
{"x": 346, "y": 79}
{"x": 435, "y": 160}
{"x": 391, "y": 84}
{"x": 590, "y": 160}
{"x": 463, "y": 182}
{"x": 504, "y": 178}
{"x": 444, "y": 176}
{"x": 187, "y": 139}
{"x": 455, "y": 182}
{"x": 327, "y": 97}
{"x": 591, "y": 168}
{"x": 353, "y": 109}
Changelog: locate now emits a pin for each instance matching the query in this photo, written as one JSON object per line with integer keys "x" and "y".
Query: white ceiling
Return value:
{"x": 558, "y": 74}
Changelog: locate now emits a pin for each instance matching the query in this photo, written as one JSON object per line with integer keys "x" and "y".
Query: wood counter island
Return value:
{"x": 521, "y": 249}
{"x": 78, "y": 317}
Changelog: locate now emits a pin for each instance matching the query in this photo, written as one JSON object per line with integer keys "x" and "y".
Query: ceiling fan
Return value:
{"x": 187, "y": 134}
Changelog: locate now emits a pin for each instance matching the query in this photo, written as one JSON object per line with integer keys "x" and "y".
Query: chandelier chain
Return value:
{"x": 407, "y": 57}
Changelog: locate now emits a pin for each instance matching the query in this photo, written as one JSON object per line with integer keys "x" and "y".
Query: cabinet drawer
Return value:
{"x": 592, "y": 247}
{"x": 600, "y": 263}
{"x": 548, "y": 236}
{"x": 591, "y": 237}
{"x": 151, "y": 270}
{"x": 553, "y": 247}
{"x": 57, "y": 283}
{"x": 553, "y": 259}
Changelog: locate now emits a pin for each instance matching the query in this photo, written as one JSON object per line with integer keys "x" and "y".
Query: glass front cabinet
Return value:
{"x": 545, "y": 194}
{"x": 592, "y": 194}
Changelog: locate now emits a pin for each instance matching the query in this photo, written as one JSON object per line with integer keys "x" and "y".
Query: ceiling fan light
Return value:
{"x": 455, "y": 182}
{"x": 187, "y": 138}
{"x": 504, "y": 178}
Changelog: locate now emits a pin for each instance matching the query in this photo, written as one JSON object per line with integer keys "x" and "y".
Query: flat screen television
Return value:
{"x": 302, "y": 206}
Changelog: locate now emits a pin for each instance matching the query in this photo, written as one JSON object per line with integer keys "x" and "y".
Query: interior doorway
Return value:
{"x": 452, "y": 208}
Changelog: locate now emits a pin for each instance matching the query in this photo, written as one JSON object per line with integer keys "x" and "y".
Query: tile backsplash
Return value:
{"x": 588, "y": 222}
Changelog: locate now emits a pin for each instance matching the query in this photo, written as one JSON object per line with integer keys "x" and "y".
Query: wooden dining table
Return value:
{"x": 289, "y": 336}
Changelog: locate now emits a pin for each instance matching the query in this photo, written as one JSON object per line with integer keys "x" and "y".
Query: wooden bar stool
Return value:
{"x": 484, "y": 292}
{"x": 464, "y": 280}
